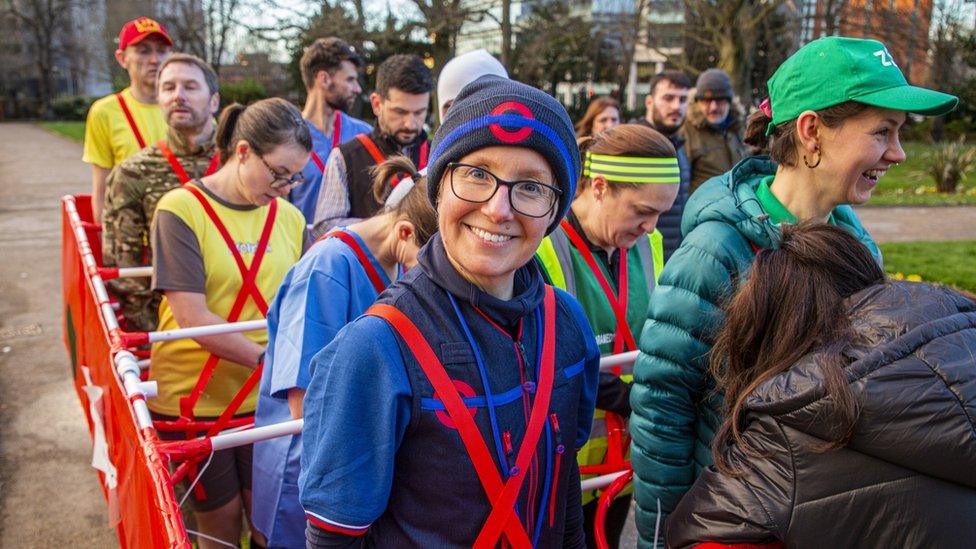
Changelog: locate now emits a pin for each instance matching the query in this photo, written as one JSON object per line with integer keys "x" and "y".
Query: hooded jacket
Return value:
{"x": 712, "y": 151}
{"x": 675, "y": 410}
{"x": 907, "y": 477}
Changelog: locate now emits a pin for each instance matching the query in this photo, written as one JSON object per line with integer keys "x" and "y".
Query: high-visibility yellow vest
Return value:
{"x": 556, "y": 254}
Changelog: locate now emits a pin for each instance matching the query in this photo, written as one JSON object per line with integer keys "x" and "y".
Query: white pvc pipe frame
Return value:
{"x": 128, "y": 366}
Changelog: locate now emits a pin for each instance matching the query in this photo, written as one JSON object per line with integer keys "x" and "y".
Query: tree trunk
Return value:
{"x": 506, "y": 53}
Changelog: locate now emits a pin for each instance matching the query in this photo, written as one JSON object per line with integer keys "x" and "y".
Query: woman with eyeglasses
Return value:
{"x": 449, "y": 414}
{"x": 222, "y": 246}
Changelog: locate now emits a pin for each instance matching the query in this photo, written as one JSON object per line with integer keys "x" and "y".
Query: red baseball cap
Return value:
{"x": 137, "y": 30}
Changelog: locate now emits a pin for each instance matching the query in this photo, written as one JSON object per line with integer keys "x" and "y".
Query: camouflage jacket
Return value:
{"x": 133, "y": 189}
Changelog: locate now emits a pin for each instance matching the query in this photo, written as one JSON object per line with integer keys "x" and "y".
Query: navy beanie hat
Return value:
{"x": 496, "y": 111}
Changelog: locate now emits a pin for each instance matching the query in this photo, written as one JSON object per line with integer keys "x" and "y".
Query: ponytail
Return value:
{"x": 415, "y": 207}
{"x": 755, "y": 135}
{"x": 225, "y": 130}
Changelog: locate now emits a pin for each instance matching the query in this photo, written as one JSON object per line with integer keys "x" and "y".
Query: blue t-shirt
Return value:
{"x": 321, "y": 293}
{"x": 305, "y": 195}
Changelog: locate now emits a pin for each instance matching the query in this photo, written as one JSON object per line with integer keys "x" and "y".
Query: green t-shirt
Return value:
{"x": 771, "y": 205}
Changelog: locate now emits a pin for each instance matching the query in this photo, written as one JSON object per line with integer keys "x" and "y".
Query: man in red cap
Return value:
{"x": 121, "y": 124}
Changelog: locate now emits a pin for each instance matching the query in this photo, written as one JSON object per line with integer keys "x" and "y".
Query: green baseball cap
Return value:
{"x": 832, "y": 70}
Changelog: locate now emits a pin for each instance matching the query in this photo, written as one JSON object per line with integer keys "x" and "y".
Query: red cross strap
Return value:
{"x": 178, "y": 167}
{"x": 336, "y": 131}
{"x": 371, "y": 272}
{"x": 617, "y": 441}
{"x": 502, "y": 520}
{"x": 379, "y": 157}
{"x": 624, "y": 340}
{"x": 248, "y": 290}
{"x": 318, "y": 161}
{"x": 132, "y": 121}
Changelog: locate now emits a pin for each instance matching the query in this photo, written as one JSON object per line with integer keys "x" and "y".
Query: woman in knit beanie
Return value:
{"x": 449, "y": 414}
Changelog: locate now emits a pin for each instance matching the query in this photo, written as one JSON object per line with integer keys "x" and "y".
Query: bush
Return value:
{"x": 243, "y": 92}
{"x": 74, "y": 107}
{"x": 950, "y": 163}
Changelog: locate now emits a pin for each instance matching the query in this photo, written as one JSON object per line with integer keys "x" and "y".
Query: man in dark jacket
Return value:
{"x": 713, "y": 131}
{"x": 906, "y": 478}
{"x": 667, "y": 104}
{"x": 400, "y": 102}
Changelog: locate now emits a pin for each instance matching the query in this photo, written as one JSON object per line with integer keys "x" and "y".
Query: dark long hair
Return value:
{"x": 791, "y": 305}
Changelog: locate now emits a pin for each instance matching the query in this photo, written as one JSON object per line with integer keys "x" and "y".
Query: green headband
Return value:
{"x": 633, "y": 169}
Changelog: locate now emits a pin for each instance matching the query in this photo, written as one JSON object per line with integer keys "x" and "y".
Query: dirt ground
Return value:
{"x": 49, "y": 495}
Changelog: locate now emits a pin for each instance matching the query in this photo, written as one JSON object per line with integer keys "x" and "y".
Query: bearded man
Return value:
{"x": 188, "y": 95}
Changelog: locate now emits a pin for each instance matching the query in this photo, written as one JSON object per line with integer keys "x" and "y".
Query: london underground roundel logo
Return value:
{"x": 464, "y": 390}
{"x": 511, "y": 136}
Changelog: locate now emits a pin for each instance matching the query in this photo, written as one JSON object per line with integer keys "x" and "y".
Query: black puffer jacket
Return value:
{"x": 908, "y": 476}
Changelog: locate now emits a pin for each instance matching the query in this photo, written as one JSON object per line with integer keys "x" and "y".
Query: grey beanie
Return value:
{"x": 493, "y": 111}
{"x": 714, "y": 84}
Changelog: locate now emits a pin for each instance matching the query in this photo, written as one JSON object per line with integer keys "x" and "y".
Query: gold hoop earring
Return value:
{"x": 815, "y": 164}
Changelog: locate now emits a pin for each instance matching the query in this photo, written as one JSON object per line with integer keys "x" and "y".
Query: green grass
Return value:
{"x": 909, "y": 184}
{"x": 70, "y": 129}
{"x": 952, "y": 262}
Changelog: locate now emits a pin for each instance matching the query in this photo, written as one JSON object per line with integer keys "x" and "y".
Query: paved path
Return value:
{"x": 49, "y": 494}
{"x": 896, "y": 224}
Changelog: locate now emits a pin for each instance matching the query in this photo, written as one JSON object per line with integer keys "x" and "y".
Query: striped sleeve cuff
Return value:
{"x": 333, "y": 526}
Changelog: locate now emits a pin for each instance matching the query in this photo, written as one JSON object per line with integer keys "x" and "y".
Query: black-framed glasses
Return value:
{"x": 527, "y": 197}
{"x": 280, "y": 180}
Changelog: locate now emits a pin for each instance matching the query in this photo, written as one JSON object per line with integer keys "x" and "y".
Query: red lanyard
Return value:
{"x": 502, "y": 520}
{"x": 624, "y": 340}
{"x": 178, "y": 168}
{"x": 371, "y": 272}
{"x": 132, "y": 121}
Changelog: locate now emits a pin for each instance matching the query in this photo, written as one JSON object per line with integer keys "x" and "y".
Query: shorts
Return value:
{"x": 227, "y": 476}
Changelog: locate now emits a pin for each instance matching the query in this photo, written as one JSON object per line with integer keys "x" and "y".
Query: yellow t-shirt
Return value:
{"x": 176, "y": 365}
{"x": 108, "y": 137}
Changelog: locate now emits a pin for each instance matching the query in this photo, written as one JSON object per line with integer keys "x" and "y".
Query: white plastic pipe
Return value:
{"x": 214, "y": 329}
{"x": 602, "y": 481}
{"x": 250, "y": 436}
{"x": 135, "y": 272}
{"x": 294, "y": 427}
{"x": 128, "y": 369}
{"x": 612, "y": 361}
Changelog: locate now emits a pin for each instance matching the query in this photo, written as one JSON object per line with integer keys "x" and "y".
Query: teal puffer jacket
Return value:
{"x": 675, "y": 409}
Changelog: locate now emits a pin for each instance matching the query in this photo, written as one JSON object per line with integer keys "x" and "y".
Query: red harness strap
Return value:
{"x": 336, "y": 131}
{"x": 371, "y": 272}
{"x": 318, "y": 161}
{"x": 248, "y": 290}
{"x": 502, "y": 519}
{"x": 132, "y": 121}
{"x": 379, "y": 157}
{"x": 617, "y": 441}
{"x": 178, "y": 167}
{"x": 624, "y": 340}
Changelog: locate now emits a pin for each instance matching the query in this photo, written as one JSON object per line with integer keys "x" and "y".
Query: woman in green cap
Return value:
{"x": 831, "y": 125}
